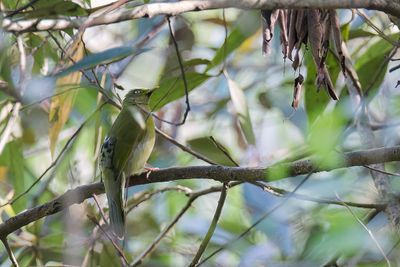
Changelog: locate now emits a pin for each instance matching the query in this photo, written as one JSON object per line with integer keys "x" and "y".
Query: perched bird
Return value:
{"x": 125, "y": 151}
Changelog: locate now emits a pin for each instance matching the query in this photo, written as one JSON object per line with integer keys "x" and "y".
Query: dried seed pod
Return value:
{"x": 324, "y": 79}
{"x": 337, "y": 38}
{"x": 282, "y": 22}
{"x": 315, "y": 33}
{"x": 298, "y": 84}
{"x": 292, "y": 31}
{"x": 316, "y": 22}
{"x": 326, "y": 24}
{"x": 269, "y": 18}
{"x": 316, "y": 26}
{"x": 301, "y": 33}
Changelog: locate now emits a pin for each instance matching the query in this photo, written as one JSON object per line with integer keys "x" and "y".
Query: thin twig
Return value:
{"x": 257, "y": 222}
{"x": 103, "y": 216}
{"x": 156, "y": 241}
{"x": 185, "y": 148}
{"x": 283, "y": 193}
{"x": 94, "y": 82}
{"x": 382, "y": 171}
{"x": 117, "y": 248}
{"x": 368, "y": 231}
{"x": 212, "y": 227}
{"x": 192, "y": 197}
{"x": 70, "y": 88}
{"x": 224, "y": 151}
{"x": 14, "y": 12}
{"x": 10, "y": 253}
{"x": 133, "y": 203}
{"x": 367, "y": 20}
{"x": 178, "y": 54}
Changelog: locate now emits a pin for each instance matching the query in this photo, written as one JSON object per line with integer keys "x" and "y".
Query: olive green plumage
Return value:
{"x": 125, "y": 151}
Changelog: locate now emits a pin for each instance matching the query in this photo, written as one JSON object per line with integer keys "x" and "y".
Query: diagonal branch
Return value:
{"x": 219, "y": 173}
{"x": 174, "y": 8}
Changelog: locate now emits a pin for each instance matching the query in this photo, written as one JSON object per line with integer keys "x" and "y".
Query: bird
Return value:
{"x": 125, "y": 151}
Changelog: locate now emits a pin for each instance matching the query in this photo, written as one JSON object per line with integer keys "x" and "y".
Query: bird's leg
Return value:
{"x": 149, "y": 170}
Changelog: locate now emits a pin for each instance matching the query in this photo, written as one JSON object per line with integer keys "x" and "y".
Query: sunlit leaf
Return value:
{"x": 371, "y": 67}
{"x": 191, "y": 63}
{"x": 61, "y": 105}
{"x": 13, "y": 160}
{"x": 341, "y": 235}
{"x": 242, "y": 112}
{"x": 357, "y": 33}
{"x": 324, "y": 136}
{"x": 105, "y": 57}
{"x": 207, "y": 147}
{"x": 245, "y": 27}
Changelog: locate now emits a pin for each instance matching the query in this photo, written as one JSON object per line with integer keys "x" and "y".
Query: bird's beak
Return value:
{"x": 151, "y": 91}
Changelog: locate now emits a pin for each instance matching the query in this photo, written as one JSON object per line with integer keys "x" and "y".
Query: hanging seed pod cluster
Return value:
{"x": 314, "y": 28}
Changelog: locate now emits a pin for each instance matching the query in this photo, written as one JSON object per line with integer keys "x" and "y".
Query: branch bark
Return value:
{"x": 174, "y": 8}
{"x": 218, "y": 173}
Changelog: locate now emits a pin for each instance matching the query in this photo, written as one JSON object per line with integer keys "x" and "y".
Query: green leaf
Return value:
{"x": 12, "y": 158}
{"x": 245, "y": 27}
{"x": 6, "y": 61}
{"x": 49, "y": 9}
{"x": 172, "y": 88}
{"x": 240, "y": 105}
{"x": 206, "y": 147}
{"x": 357, "y": 33}
{"x": 105, "y": 57}
{"x": 371, "y": 67}
{"x": 191, "y": 63}
{"x": 340, "y": 235}
{"x": 345, "y": 31}
{"x": 324, "y": 136}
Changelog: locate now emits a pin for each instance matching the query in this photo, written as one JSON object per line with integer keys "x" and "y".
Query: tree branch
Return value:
{"x": 153, "y": 9}
{"x": 219, "y": 173}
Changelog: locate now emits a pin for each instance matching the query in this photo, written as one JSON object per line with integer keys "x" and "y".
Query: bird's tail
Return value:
{"x": 117, "y": 214}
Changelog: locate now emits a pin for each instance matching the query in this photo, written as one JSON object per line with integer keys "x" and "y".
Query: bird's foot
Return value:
{"x": 149, "y": 171}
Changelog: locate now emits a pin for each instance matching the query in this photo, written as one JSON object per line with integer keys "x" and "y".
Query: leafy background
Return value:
{"x": 239, "y": 97}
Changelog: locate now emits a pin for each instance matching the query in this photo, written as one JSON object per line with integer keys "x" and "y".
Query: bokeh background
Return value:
{"x": 259, "y": 129}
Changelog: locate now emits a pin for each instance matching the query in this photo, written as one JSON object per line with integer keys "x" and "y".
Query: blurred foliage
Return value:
{"x": 54, "y": 82}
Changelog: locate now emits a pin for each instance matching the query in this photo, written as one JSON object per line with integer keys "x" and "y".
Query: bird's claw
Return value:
{"x": 149, "y": 170}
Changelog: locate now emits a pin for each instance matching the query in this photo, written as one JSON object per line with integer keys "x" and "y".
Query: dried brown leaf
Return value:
{"x": 298, "y": 83}
{"x": 292, "y": 31}
{"x": 317, "y": 21}
{"x": 324, "y": 79}
{"x": 337, "y": 38}
{"x": 282, "y": 22}
{"x": 269, "y": 18}
{"x": 315, "y": 33}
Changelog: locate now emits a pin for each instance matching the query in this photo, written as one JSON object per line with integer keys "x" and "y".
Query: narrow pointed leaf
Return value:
{"x": 242, "y": 112}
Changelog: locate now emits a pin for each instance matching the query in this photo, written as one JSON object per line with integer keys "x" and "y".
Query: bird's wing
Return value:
{"x": 128, "y": 130}
{"x": 107, "y": 153}
{"x": 113, "y": 179}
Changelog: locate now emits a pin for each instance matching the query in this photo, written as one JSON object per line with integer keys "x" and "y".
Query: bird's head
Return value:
{"x": 138, "y": 97}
